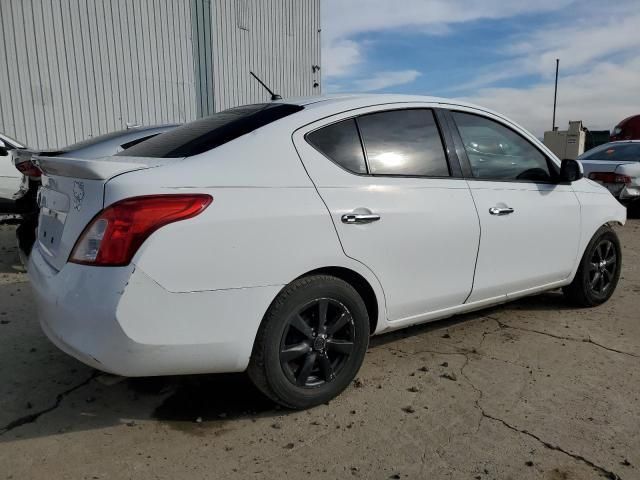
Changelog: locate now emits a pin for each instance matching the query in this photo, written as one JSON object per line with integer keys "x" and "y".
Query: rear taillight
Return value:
{"x": 609, "y": 177}
{"x": 113, "y": 237}
{"x": 29, "y": 169}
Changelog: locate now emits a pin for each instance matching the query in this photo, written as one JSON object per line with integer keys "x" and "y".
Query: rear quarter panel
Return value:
{"x": 266, "y": 226}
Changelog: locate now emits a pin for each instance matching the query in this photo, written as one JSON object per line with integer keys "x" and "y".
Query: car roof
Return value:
{"x": 327, "y": 105}
{"x": 355, "y": 100}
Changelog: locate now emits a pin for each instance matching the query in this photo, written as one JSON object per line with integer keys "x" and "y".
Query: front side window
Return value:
{"x": 497, "y": 152}
{"x": 403, "y": 142}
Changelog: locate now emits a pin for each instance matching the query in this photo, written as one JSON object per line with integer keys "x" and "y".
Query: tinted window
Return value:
{"x": 89, "y": 142}
{"x": 497, "y": 152}
{"x": 341, "y": 143}
{"x": 403, "y": 142}
{"x": 623, "y": 152}
{"x": 211, "y": 132}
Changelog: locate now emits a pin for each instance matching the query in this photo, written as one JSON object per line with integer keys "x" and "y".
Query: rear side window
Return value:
{"x": 403, "y": 142}
{"x": 341, "y": 143}
{"x": 210, "y": 132}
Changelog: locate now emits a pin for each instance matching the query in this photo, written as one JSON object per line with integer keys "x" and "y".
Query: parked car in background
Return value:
{"x": 12, "y": 183}
{"x": 616, "y": 165}
{"x": 276, "y": 238}
{"x": 93, "y": 148}
{"x": 627, "y": 129}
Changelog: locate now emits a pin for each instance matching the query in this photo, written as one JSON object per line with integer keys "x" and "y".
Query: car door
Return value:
{"x": 530, "y": 223}
{"x": 398, "y": 205}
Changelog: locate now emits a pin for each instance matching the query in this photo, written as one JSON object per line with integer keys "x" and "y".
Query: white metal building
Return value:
{"x": 72, "y": 69}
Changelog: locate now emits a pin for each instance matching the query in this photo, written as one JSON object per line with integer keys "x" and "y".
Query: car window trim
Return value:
{"x": 455, "y": 165}
{"x": 354, "y": 117}
{"x": 464, "y": 157}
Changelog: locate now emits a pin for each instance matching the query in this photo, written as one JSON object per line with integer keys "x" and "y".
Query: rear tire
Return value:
{"x": 311, "y": 342}
{"x": 599, "y": 271}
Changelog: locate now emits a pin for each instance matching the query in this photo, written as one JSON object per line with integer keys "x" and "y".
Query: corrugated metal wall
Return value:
{"x": 279, "y": 40}
{"x": 72, "y": 69}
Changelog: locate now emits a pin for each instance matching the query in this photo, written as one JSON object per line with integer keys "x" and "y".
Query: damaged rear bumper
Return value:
{"x": 120, "y": 321}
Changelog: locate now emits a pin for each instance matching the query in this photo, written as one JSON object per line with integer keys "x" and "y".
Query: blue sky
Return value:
{"x": 495, "y": 53}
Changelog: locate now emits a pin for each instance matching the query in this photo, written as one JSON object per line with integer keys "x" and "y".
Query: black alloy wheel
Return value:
{"x": 603, "y": 267}
{"x": 599, "y": 270}
{"x": 317, "y": 342}
{"x": 311, "y": 342}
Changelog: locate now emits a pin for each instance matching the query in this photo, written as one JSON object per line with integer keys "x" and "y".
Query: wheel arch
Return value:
{"x": 598, "y": 208}
{"x": 360, "y": 284}
{"x": 586, "y": 240}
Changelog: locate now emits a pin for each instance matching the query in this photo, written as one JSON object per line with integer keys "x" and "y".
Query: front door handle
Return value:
{"x": 360, "y": 217}
{"x": 500, "y": 210}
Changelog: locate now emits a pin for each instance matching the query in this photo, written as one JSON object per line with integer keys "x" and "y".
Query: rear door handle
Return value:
{"x": 360, "y": 217}
{"x": 501, "y": 210}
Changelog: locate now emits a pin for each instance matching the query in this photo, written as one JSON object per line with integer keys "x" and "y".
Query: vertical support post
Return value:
{"x": 555, "y": 95}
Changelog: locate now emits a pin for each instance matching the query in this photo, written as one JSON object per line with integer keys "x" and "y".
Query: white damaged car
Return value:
{"x": 276, "y": 238}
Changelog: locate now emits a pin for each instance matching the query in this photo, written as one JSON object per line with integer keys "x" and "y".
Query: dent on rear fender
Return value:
{"x": 151, "y": 315}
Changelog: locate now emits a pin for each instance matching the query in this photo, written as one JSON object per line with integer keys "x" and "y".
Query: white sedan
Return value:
{"x": 276, "y": 238}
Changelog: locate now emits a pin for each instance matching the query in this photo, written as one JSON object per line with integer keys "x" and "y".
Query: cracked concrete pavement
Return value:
{"x": 529, "y": 390}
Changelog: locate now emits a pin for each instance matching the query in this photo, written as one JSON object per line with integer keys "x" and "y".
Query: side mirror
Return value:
{"x": 570, "y": 170}
{"x": 3, "y": 149}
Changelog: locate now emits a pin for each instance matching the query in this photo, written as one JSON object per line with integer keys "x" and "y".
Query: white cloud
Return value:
{"x": 386, "y": 79}
{"x": 599, "y": 73}
{"x": 600, "y": 98}
{"x": 599, "y": 51}
{"x": 342, "y": 19}
{"x": 340, "y": 57}
{"x": 577, "y": 45}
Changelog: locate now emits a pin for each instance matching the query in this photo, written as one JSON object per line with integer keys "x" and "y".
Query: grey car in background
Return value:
{"x": 616, "y": 165}
{"x": 93, "y": 148}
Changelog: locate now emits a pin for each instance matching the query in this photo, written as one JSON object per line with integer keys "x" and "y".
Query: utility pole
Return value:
{"x": 555, "y": 96}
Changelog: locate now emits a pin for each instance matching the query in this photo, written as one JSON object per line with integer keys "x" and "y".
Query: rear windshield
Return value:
{"x": 622, "y": 152}
{"x": 210, "y": 132}
{"x": 95, "y": 140}
{"x": 126, "y": 133}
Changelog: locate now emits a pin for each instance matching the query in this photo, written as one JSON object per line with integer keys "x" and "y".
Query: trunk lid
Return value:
{"x": 72, "y": 193}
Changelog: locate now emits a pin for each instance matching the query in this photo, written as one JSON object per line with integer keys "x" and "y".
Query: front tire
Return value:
{"x": 599, "y": 270}
{"x": 311, "y": 343}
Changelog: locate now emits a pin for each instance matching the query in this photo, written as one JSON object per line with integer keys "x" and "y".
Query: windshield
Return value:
{"x": 210, "y": 132}
{"x": 616, "y": 152}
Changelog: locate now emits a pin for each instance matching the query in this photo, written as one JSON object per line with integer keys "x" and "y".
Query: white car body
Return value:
{"x": 196, "y": 291}
{"x": 11, "y": 180}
